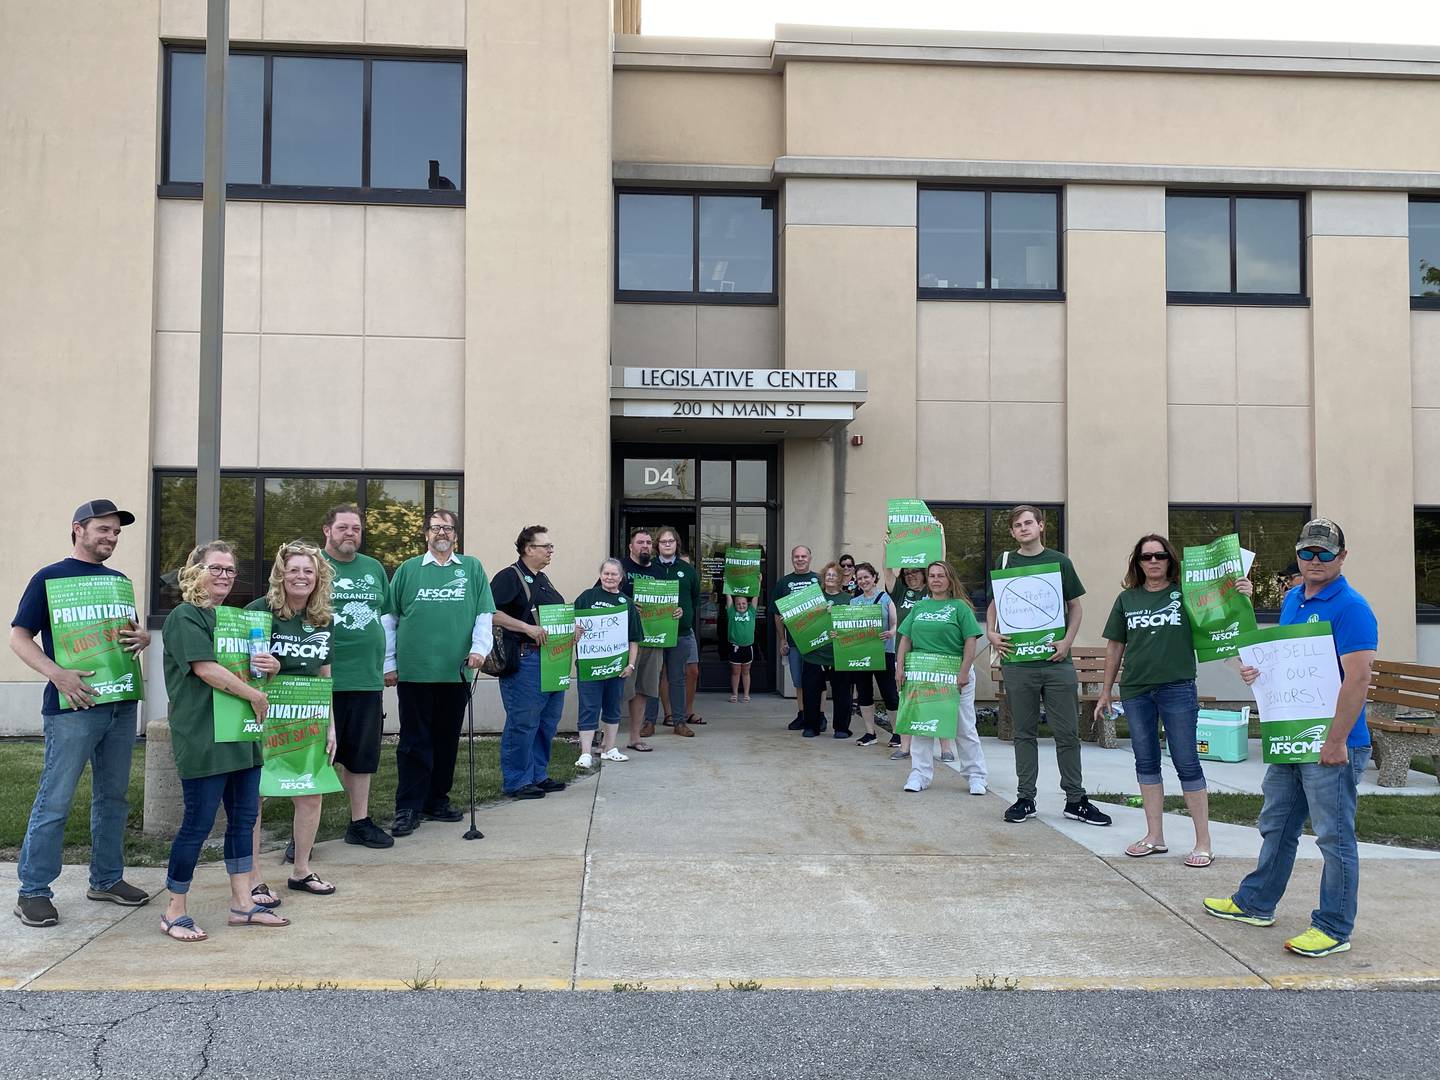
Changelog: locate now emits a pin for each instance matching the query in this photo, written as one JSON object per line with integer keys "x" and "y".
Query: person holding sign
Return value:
{"x": 1323, "y": 789}
{"x": 799, "y": 578}
{"x": 871, "y": 595}
{"x": 1032, "y": 620}
{"x": 87, "y": 610}
{"x": 1149, "y": 629}
{"x": 944, "y": 624}
{"x": 532, "y": 713}
{"x": 606, "y": 658}
{"x": 210, "y": 772}
{"x": 298, "y": 601}
{"x": 682, "y": 659}
{"x": 740, "y": 632}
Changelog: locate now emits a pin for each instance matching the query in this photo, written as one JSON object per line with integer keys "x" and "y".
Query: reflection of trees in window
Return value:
{"x": 975, "y": 536}
{"x": 1429, "y": 279}
{"x": 1271, "y": 534}
{"x": 1427, "y": 559}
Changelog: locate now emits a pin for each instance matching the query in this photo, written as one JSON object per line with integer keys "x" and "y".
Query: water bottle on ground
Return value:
{"x": 259, "y": 646}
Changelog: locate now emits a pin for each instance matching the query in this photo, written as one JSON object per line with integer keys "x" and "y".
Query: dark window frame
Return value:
{"x": 1264, "y": 615}
{"x": 1422, "y": 303}
{"x": 267, "y": 192}
{"x": 695, "y": 296}
{"x": 987, "y": 293}
{"x": 1179, "y": 298}
{"x": 1423, "y": 615}
{"x": 157, "y": 612}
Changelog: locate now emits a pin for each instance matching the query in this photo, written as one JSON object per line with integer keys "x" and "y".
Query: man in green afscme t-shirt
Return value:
{"x": 1052, "y": 681}
{"x": 441, "y": 611}
{"x": 360, "y": 599}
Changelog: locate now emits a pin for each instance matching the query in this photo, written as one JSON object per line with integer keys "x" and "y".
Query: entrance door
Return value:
{"x": 714, "y": 497}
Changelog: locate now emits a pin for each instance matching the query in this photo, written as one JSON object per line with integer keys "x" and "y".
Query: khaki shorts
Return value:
{"x": 645, "y": 681}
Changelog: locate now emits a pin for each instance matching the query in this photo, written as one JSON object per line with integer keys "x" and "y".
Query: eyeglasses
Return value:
{"x": 544, "y": 547}
{"x": 1154, "y": 556}
{"x": 222, "y": 571}
{"x": 1324, "y": 556}
{"x": 441, "y": 528}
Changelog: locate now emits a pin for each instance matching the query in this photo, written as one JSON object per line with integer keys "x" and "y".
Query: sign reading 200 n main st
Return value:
{"x": 736, "y": 393}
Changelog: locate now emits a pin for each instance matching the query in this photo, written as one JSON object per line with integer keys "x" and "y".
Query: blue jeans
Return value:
{"x": 1326, "y": 793}
{"x": 531, "y": 717}
{"x": 103, "y": 736}
{"x": 600, "y": 701}
{"x": 1177, "y": 706}
{"x": 240, "y": 792}
{"x": 683, "y": 652}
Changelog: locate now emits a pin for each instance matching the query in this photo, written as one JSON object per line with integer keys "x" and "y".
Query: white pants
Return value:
{"x": 967, "y": 745}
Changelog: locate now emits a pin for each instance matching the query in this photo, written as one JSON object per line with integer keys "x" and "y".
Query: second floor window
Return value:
{"x": 982, "y": 244}
{"x": 695, "y": 248}
{"x": 1425, "y": 251}
{"x": 1234, "y": 249}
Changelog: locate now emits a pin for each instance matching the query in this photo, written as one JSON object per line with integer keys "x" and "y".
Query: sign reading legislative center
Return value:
{"x": 736, "y": 393}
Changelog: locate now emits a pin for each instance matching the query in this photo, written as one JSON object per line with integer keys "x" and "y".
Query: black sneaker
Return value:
{"x": 550, "y": 787}
{"x": 842, "y": 733}
{"x": 1085, "y": 811}
{"x": 894, "y": 740}
{"x": 406, "y": 822}
{"x": 865, "y": 740}
{"x": 122, "y": 892}
{"x": 446, "y": 811}
{"x": 1021, "y": 809}
{"x": 798, "y": 724}
{"x": 36, "y": 911}
{"x": 529, "y": 791}
{"x": 367, "y": 834}
{"x": 809, "y": 733}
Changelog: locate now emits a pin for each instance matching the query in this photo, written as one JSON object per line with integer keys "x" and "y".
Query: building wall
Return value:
{"x": 699, "y": 117}
{"x": 415, "y": 23}
{"x": 695, "y": 335}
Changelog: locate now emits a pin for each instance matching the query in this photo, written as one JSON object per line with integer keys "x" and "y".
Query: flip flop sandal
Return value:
{"x": 1199, "y": 859}
{"x": 263, "y": 890}
{"x": 241, "y": 917}
{"x": 1146, "y": 848}
{"x": 639, "y": 747}
{"x": 693, "y": 719}
{"x": 185, "y": 922}
{"x": 310, "y": 883}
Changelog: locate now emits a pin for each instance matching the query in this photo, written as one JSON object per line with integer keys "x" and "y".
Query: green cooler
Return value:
{"x": 1221, "y": 735}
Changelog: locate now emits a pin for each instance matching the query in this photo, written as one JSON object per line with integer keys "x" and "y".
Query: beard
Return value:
{"x": 643, "y": 559}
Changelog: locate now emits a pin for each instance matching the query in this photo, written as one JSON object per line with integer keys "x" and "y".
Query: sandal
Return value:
{"x": 669, "y": 721}
{"x": 264, "y": 890}
{"x": 312, "y": 884}
{"x": 184, "y": 922}
{"x": 255, "y": 917}
{"x": 733, "y": 698}
{"x": 639, "y": 747}
{"x": 1141, "y": 848}
{"x": 1199, "y": 859}
{"x": 693, "y": 719}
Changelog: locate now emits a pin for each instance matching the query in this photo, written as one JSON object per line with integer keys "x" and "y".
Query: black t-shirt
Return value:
{"x": 509, "y": 594}
{"x": 33, "y": 614}
{"x": 633, "y": 570}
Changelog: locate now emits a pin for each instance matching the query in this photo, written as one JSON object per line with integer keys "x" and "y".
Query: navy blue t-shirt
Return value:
{"x": 33, "y": 614}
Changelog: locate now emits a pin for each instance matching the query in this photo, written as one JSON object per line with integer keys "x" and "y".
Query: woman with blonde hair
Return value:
{"x": 299, "y": 604}
{"x": 210, "y": 772}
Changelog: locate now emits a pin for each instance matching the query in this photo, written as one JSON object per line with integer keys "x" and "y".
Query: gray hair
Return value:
{"x": 612, "y": 561}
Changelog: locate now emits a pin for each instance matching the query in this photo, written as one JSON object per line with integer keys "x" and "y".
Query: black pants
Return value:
{"x": 431, "y": 715}
{"x": 813, "y": 682}
{"x": 865, "y": 688}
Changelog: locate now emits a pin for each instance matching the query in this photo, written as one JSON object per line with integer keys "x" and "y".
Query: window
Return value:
{"x": 1270, "y": 532}
{"x": 988, "y": 244}
{"x": 1234, "y": 249}
{"x": 1425, "y": 252}
{"x": 325, "y": 127}
{"x": 975, "y": 536}
{"x": 694, "y": 248}
{"x": 1427, "y": 563}
{"x": 261, "y": 511}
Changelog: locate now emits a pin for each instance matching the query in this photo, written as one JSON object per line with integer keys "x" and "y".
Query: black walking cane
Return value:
{"x": 473, "y": 833}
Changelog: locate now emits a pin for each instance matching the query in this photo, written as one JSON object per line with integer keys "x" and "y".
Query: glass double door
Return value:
{"x": 714, "y": 498}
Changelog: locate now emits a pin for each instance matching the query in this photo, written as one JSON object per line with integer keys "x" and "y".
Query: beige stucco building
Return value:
{"x": 1163, "y": 285}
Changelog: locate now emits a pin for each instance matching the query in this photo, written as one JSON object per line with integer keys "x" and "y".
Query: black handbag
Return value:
{"x": 504, "y": 656}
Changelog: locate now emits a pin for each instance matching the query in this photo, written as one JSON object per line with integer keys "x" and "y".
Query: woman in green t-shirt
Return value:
{"x": 1149, "y": 629}
{"x": 602, "y": 699}
{"x": 210, "y": 772}
{"x": 740, "y": 632}
{"x": 299, "y": 604}
{"x": 944, "y": 623}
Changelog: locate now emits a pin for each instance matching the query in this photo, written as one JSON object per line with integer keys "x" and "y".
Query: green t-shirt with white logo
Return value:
{"x": 359, "y": 597}
{"x": 301, "y": 647}
{"x": 741, "y": 625}
{"x": 1156, "y": 633}
{"x": 435, "y": 608}
{"x": 189, "y": 638}
{"x": 940, "y": 626}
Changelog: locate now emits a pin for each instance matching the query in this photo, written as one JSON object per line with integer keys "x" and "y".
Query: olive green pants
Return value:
{"x": 1027, "y": 685}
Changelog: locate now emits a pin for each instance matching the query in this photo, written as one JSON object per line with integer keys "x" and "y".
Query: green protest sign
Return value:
{"x": 86, "y": 617}
{"x": 293, "y": 745}
{"x": 913, "y": 537}
{"x": 656, "y": 602}
{"x": 557, "y": 656}
{"x": 930, "y": 698}
{"x": 806, "y": 614}
{"x": 1296, "y": 690}
{"x": 604, "y": 650}
{"x": 234, "y": 718}
{"x": 742, "y": 571}
{"x": 856, "y": 631}
{"x": 1029, "y": 610}
{"x": 1219, "y": 614}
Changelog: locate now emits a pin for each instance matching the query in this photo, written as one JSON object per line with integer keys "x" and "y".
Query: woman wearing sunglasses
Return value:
{"x": 1149, "y": 629}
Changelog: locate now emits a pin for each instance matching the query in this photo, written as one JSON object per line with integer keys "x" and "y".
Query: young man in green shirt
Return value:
{"x": 360, "y": 598}
{"x": 682, "y": 660}
{"x": 441, "y": 619}
{"x": 799, "y": 577}
{"x": 1052, "y": 680}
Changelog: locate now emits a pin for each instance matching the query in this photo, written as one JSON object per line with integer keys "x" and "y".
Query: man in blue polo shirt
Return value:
{"x": 1325, "y": 791}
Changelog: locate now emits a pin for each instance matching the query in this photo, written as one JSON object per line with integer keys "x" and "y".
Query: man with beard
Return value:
{"x": 642, "y": 688}
{"x": 102, "y": 735}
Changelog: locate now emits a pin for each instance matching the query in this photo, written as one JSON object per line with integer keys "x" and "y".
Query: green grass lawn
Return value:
{"x": 20, "y": 763}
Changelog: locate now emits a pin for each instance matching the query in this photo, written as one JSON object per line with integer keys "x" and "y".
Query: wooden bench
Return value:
{"x": 1396, "y": 689}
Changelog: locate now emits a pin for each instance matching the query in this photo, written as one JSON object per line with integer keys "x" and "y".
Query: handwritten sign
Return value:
{"x": 1296, "y": 690}
{"x": 604, "y": 648}
{"x": 1029, "y": 609}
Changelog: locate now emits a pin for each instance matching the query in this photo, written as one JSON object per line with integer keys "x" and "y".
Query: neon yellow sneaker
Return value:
{"x": 1315, "y": 942}
{"x": 1226, "y": 909}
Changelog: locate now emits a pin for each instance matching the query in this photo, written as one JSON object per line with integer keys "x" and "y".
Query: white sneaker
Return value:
{"x": 614, "y": 754}
{"x": 584, "y": 761}
{"x": 913, "y": 783}
{"x": 977, "y": 786}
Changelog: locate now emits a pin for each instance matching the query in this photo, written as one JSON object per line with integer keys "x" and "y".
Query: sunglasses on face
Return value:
{"x": 1324, "y": 556}
{"x": 1154, "y": 556}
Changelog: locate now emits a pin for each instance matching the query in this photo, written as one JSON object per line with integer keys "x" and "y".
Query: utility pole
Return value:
{"x": 212, "y": 274}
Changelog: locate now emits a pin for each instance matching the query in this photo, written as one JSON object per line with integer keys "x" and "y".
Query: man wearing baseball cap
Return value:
{"x": 1324, "y": 791}
{"x": 102, "y": 735}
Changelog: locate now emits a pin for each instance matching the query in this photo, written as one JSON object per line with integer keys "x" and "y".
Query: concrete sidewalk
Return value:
{"x": 749, "y": 853}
